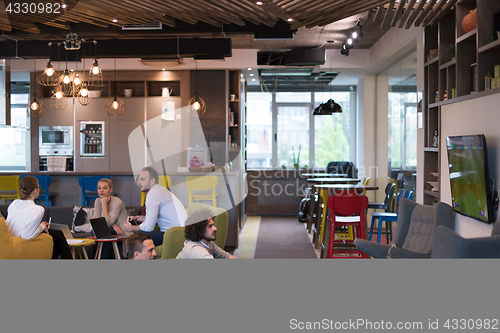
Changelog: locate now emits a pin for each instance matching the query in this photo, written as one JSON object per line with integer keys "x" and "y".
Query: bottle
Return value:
{"x": 437, "y": 96}
{"x": 230, "y": 164}
{"x": 435, "y": 139}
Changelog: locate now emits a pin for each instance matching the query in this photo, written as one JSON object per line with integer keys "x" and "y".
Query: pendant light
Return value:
{"x": 65, "y": 81}
{"x": 49, "y": 75}
{"x": 95, "y": 73}
{"x": 330, "y": 106}
{"x": 115, "y": 105}
{"x": 57, "y": 100}
{"x": 35, "y": 107}
{"x": 197, "y": 105}
{"x": 83, "y": 96}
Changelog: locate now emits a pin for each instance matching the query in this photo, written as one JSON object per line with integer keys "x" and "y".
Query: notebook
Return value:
{"x": 101, "y": 229}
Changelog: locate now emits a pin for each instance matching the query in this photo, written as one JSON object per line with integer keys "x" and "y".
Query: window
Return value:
{"x": 280, "y": 124}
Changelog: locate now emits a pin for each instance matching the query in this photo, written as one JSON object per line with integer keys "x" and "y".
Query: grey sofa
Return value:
{"x": 448, "y": 244}
{"x": 414, "y": 231}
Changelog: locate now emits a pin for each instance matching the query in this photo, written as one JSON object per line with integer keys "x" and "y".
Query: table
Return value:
{"x": 100, "y": 243}
{"x": 331, "y": 175}
{"x": 314, "y": 183}
{"x": 336, "y": 187}
{"x": 81, "y": 247}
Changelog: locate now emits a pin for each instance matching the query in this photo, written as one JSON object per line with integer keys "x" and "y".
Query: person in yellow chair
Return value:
{"x": 200, "y": 232}
{"x": 24, "y": 218}
{"x": 141, "y": 246}
{"x": 162, "y": 208}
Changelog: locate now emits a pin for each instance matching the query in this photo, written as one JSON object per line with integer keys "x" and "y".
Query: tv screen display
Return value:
{"x": 469, "y": 177}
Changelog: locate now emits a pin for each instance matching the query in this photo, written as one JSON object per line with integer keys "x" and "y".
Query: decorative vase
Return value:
{"x": 195, "y": 162}
{"x": 469, "y": 22}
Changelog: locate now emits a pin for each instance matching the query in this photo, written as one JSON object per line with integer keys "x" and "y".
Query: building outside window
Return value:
{"x": 281, "y": 123}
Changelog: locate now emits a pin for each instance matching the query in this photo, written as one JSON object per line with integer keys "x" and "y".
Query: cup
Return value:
{"x": 232, "y": 97}
{"x": 166, "y": 91}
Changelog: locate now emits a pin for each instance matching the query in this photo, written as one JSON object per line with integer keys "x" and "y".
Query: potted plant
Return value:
{"x": 296, "y": 162}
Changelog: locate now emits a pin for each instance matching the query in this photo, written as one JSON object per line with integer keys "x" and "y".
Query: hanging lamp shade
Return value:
{"x": 197, "y": 105}
{"x": 35, "y": 107}
{"x": 330, "y": 107}
{"x": 115, "y": 106}
{"x": 58, "y": 100}
{"x": 48, "y": 77}
{"x": 83, "y": 96}
{"x": 95, "y": 75}
{"x": 316, "y": 111}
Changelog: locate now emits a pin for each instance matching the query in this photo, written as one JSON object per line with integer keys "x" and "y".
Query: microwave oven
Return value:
{"x": 55, "y": 137}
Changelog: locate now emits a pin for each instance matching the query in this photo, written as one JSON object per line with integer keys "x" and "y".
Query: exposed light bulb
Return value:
{"x": 95, "y": 70}
{"x": 84, "y": 92}
{"x": 59, "y": 94}
{"x": 77, "y": 80}
{"x": 115, "y": 105}
{"x": 196, "y": 106}
{"x": 50, "y": 71}
{"x": 66, "y": 79}
{"x": 34, "y": 106}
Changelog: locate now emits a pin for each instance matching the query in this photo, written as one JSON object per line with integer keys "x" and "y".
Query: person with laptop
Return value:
{"x": 111, "y": 208}
{"x": 141, "y": 246}
{"x": 200, "y": 232}
{"x": 24, "y": 218}
{"x": 162, "y": 208}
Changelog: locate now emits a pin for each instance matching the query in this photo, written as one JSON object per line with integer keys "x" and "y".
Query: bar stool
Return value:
{"x": 88, "y": 184}
{"x": 202, "y": 184}
{"x": 347, "y": 210}
{"x": 9, "y": 184}
{"x": 44, "y": 181}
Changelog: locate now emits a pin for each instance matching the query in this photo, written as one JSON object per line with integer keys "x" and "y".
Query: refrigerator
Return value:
{"x": 92, "y": 138}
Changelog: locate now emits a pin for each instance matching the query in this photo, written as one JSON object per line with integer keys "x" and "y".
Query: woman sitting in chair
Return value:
{"x": 110, "y": 207}
{"x": 24, "y": 218}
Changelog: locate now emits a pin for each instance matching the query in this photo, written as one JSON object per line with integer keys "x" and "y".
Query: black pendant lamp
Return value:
{"x": 330, "y": 107}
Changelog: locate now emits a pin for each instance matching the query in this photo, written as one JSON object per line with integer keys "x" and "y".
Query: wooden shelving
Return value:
{"x": 459, "y": 70}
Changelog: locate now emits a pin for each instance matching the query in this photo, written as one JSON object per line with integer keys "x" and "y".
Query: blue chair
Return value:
{"x": 88, "y": 184}
{"x": 388, "y": 217}
{"x": 44, "y": 181}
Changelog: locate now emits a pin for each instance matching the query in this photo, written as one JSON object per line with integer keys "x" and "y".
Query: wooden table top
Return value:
{"x": 333, "y": 180}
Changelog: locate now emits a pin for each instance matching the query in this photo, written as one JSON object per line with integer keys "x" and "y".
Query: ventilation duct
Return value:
{"x": 152, "y": 26}
{"x": 162, "y": 62}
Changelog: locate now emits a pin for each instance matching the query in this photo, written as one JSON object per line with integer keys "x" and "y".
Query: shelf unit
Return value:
{"x": 142, "y": 85}
{"x": 463, "y": 60}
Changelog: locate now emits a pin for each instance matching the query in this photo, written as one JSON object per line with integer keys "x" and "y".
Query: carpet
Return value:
{"x": 283, "y": 237}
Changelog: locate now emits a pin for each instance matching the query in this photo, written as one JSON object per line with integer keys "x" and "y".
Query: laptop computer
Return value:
{"x": 101, "y": 229}
{"x": 64, "y": 228}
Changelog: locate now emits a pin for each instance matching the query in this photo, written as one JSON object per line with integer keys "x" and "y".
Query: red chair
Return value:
{"x": 347, "y": 210}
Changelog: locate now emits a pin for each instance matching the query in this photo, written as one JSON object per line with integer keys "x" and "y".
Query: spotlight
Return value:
{"x": 350, "y": 41}
{"x": 344, "y": 52}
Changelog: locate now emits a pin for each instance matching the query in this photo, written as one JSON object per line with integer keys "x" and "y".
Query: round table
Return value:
{"x": 114, "y": 241}
{"x": 331, "y": 175}
{"x": 80, "y": 247}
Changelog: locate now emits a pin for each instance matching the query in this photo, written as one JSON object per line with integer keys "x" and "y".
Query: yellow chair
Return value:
{"x": 202, "y": 184}
{"x": 8, "y": 184}
{"x": 164, "y": 181}
{"x": 11, "y": 247}
{"x": 366, "y": 181}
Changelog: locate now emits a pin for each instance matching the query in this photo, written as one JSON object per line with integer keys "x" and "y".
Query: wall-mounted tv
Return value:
{"x": 469, "y": 177}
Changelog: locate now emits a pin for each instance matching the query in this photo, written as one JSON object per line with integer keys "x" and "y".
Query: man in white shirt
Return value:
{"x": 200, "y": 232}
{"x": 162, "y": 208}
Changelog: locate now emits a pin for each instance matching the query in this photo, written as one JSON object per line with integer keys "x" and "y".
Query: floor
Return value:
{"x": 249, "y": 234}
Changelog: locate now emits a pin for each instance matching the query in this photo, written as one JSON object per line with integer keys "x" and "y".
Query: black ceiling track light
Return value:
{"x": 352, "y": 38}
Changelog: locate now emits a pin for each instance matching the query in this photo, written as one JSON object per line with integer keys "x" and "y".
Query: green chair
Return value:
{"x": 221, "y": 221}
{"x": 173, "y": 242}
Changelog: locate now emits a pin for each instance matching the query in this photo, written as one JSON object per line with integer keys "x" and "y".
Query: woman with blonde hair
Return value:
{"x": 24, "y": 218}
{"x": 111, "y": 208}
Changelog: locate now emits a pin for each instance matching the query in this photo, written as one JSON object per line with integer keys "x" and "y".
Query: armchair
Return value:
{"x": 17, "y": 248}
{"x": 414, "y": 232}
{"x": 448, "y": 244}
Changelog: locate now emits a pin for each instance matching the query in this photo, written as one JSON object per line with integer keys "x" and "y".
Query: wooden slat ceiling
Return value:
{"x": 217, "y": 13}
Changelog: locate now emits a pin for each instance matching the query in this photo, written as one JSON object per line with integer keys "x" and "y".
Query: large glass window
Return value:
{"x": 279, "y": 124}
{"x": 259, "y": 130}
{"x": 332, "y": 133}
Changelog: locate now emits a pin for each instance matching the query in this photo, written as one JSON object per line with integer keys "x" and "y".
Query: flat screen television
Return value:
{"x": 469, "y": 177}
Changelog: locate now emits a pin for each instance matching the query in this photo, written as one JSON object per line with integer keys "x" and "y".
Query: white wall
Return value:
{"x": 474, "y": 116}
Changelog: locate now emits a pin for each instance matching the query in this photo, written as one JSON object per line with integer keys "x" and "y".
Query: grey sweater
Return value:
{"x": 195, "y": 250}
